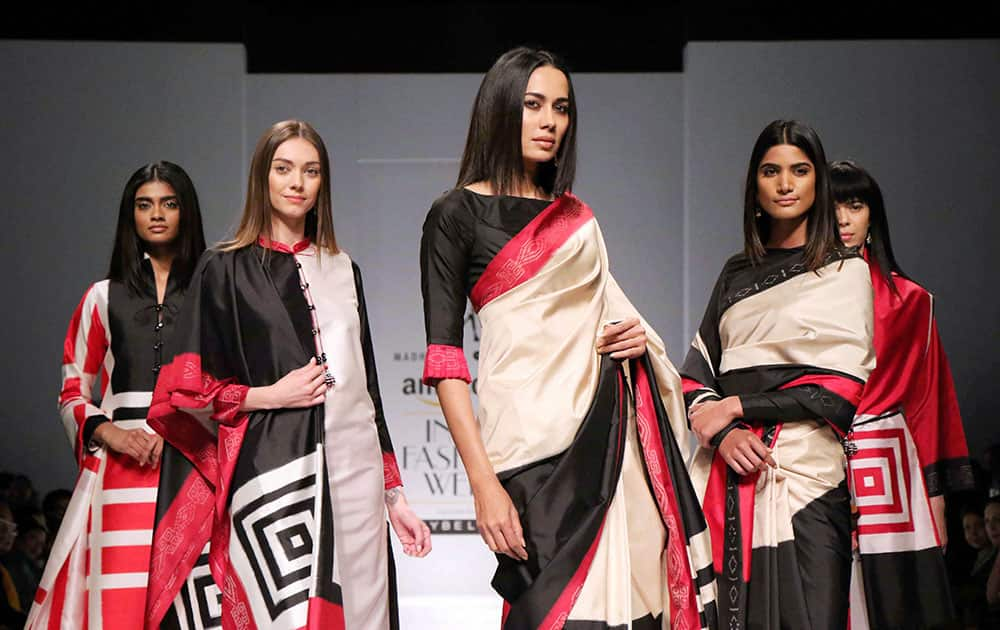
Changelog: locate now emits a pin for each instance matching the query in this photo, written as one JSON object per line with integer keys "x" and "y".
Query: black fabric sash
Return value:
{"x": 562, "y": 502}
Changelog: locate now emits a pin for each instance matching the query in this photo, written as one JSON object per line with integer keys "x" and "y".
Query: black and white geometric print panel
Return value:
{"x": 199, "y": 604}
{"x": 277, "y": 535}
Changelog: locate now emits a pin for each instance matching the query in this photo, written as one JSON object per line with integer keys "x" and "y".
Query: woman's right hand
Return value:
{"x": 302, "y": 387}
{"x": 141, "y": 446}
{"x": 498, "y": 522}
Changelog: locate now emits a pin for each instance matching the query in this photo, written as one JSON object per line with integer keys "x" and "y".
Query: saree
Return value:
{"x": 796, "y": 346}
{"x": 585, "y": 446}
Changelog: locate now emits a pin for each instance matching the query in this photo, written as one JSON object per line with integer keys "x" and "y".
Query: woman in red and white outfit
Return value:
{"x": 907, "y": 446}
{"x": 97, "y": 570}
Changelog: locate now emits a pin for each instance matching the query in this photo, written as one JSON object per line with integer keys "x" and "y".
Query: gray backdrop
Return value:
{"x": 662, "y": 161}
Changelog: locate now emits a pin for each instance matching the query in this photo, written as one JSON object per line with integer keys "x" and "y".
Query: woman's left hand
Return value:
{"x": 710, "y": 417}
{"x": 412, "y": 532}
{"x": 624, "y": 340}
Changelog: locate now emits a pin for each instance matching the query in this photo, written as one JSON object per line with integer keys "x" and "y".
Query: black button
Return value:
{"x": 298, "y": 265}
{"x": 159, "y": 307}
{"x": 159, "y": 325}
{"x": 156, "y": 369}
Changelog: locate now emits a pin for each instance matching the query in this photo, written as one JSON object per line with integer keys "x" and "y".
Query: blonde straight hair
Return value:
{"x": 256, "y": 220}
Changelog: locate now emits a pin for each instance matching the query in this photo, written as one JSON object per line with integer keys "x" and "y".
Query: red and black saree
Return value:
{"x": 907, "y": 444}
{"x": 244, "y": 533}
{"x": 796, "y": 347}
{"x": 584, "y": 445}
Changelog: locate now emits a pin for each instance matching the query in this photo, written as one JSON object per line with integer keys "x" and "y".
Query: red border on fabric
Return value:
{"x": 842, "y": 386}
{"x": 689, "y": 385}
{"x": 97, "y": 344}
{"x": 390, "y": 471}
{"x": 91, "y": 462}
{"x": 283, "y": 248}
{"x": 178, "y": 540}
{"x": 69, "y": 344}
{"x": 681, "y": 588}
{"x": 59, "y": 591}
{"x": 236, "y": 611}
{"x": 559, "y": 613}
{"x": 746, "y": 489}
{"x": 525, "y": 254}
{"x": 443, "y": 361}
{"x": 324, "y": 615}
{"x": 714, "y": 508}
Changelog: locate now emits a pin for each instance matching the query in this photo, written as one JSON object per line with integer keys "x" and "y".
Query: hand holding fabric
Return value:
{"x": 744, "y": 452}
{"x": 623, "y": 340}
{"x": 302, "y": 387}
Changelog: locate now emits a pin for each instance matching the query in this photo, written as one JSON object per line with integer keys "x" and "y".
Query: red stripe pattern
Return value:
{"x": 84, "y": 352}
{"x": 683, "y": 603}
{"x": 441, "y": 362}
{"x": 390, "y": 470}
{"x": 527, "y": 252}
{"x": 844, "y": 387}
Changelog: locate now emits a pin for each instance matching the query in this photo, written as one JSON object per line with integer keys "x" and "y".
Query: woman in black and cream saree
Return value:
{"x": 579, "y": 483}
{"x": 772, "y": 381}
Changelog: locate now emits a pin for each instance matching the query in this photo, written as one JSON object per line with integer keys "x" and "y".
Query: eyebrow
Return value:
{"x": 164, "y": 198}
{"x": 543, "y": 97}
{"x": 763, "y": 164}
{"x": 287, "y": 161}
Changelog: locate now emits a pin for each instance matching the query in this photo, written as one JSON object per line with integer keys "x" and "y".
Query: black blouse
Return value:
{"x": 463, "y": 232}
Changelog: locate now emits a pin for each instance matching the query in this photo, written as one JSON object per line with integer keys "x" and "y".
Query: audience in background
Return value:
{"x": 11, "y": 613}
{"x": 54, "y": 507}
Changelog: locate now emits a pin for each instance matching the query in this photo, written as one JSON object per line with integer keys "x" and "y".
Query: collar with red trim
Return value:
{"x": 277, "y": 246}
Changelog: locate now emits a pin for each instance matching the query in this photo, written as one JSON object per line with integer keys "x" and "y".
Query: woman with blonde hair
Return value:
{"x": 282, "y": 469}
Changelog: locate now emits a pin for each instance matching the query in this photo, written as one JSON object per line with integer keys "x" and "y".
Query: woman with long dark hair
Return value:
{"x": 910, "y": 396}
{"x": 578, "y": 404}
{"x": 97, "y": 569}
{"x": 290, "y": 482}
{"x": 772, "y": 381}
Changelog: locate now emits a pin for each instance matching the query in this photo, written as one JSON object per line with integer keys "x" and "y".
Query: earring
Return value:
{"x": 868, "y": 238}
{"x": 757, "y": 213}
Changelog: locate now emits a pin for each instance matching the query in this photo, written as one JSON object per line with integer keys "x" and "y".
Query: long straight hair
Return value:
{"x": 821, "y": 222}
{"x": 256, "y": 219}
{"x": 851, "y": 183}
{"x": 493, "y": 146}
{"x": 127, "y": 254}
